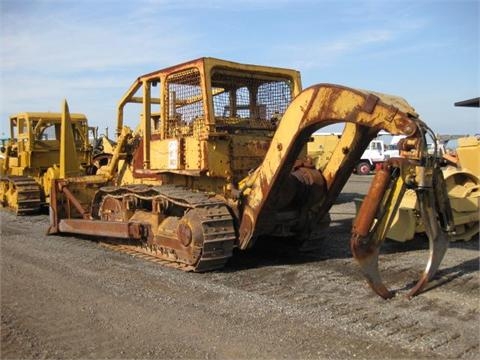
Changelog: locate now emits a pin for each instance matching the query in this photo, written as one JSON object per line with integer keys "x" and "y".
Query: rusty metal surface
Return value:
{"x": 122, "y": 230}
{"x": 371, "y": 203}
{"x": 364, "y": 245}
{"x": 76, "y": 204}
{"x": 366, "y": 253}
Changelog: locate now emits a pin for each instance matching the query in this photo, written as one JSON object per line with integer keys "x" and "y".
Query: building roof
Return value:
{"x": 475, "y": 102}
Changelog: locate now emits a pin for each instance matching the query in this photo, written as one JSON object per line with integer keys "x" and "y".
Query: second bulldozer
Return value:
{"x": 33, "y": 156}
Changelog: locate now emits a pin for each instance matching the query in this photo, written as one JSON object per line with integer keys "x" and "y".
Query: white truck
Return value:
{"x": 373, "y": 156}
{"x": 322, "y": 145}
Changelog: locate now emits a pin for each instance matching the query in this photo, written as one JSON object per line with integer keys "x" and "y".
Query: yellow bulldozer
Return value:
{"x": 32, "y": 156}
{"x": 218, "y": 161}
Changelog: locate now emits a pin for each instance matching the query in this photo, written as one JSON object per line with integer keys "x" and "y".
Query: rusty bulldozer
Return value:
{"x": 218, "y": 161}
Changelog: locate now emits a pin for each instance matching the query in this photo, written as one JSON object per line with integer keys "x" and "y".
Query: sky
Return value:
{"x": 90, "y": 52}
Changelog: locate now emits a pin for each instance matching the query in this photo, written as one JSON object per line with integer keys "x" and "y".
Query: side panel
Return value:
{"x": 45, "y": 159}
{"x": 166, "y": 155}
{"x": 468, "y": 150}
{"x": 248, "y": 152}
{"x": 218, "y": 154}
{"x": 192, "y": 154}
{"x": 321, "y": 148}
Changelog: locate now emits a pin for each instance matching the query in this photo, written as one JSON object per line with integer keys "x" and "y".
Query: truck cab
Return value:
{"x": 373, "y": 155}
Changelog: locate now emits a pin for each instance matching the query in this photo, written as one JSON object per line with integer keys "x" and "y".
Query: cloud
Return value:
{"x": 362, "y": 40}
{"x": 322, "y": 54}
{"x": 81, "y": 52}
{"x": 222, "y": 4}
{"x": 58, "y": 43}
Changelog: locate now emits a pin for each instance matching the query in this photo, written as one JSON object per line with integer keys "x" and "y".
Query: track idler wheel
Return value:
{"x": 190, "y": 236}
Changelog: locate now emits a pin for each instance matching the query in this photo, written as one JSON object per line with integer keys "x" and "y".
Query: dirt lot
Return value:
{"x": 62, "y": 297}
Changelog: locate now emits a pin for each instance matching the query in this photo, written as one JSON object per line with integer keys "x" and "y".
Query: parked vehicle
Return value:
{"x": 218, "y": 162}
{"x": 322, "y": 145}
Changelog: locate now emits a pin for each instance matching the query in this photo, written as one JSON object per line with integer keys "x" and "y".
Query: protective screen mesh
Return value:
{"x": 185, "y": 101}
{"x": 249, "y": 98}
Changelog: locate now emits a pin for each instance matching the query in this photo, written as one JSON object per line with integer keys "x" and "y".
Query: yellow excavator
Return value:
{"x": 219, "y": 161}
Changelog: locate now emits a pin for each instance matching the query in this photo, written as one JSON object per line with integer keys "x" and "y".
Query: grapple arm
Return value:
{"x": 270, "y": 186}
{"x": 277, "y": 181}
{"x": 417, "y": 171}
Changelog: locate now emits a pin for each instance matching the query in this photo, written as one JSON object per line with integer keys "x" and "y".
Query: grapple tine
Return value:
{"x": 365, "y": 251}
{"x": 437, "y": 241}
{"x": 365, "y": 243}
{"x": 374, "y": 218}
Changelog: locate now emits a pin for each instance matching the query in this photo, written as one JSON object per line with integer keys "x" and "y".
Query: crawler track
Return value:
{"x": 143, "y": 253}
{"x": 22, "y": 194}
{"x": 210, "y": 215}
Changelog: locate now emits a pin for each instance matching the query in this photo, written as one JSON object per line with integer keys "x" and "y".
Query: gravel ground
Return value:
{"x": 65, "y": 297}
